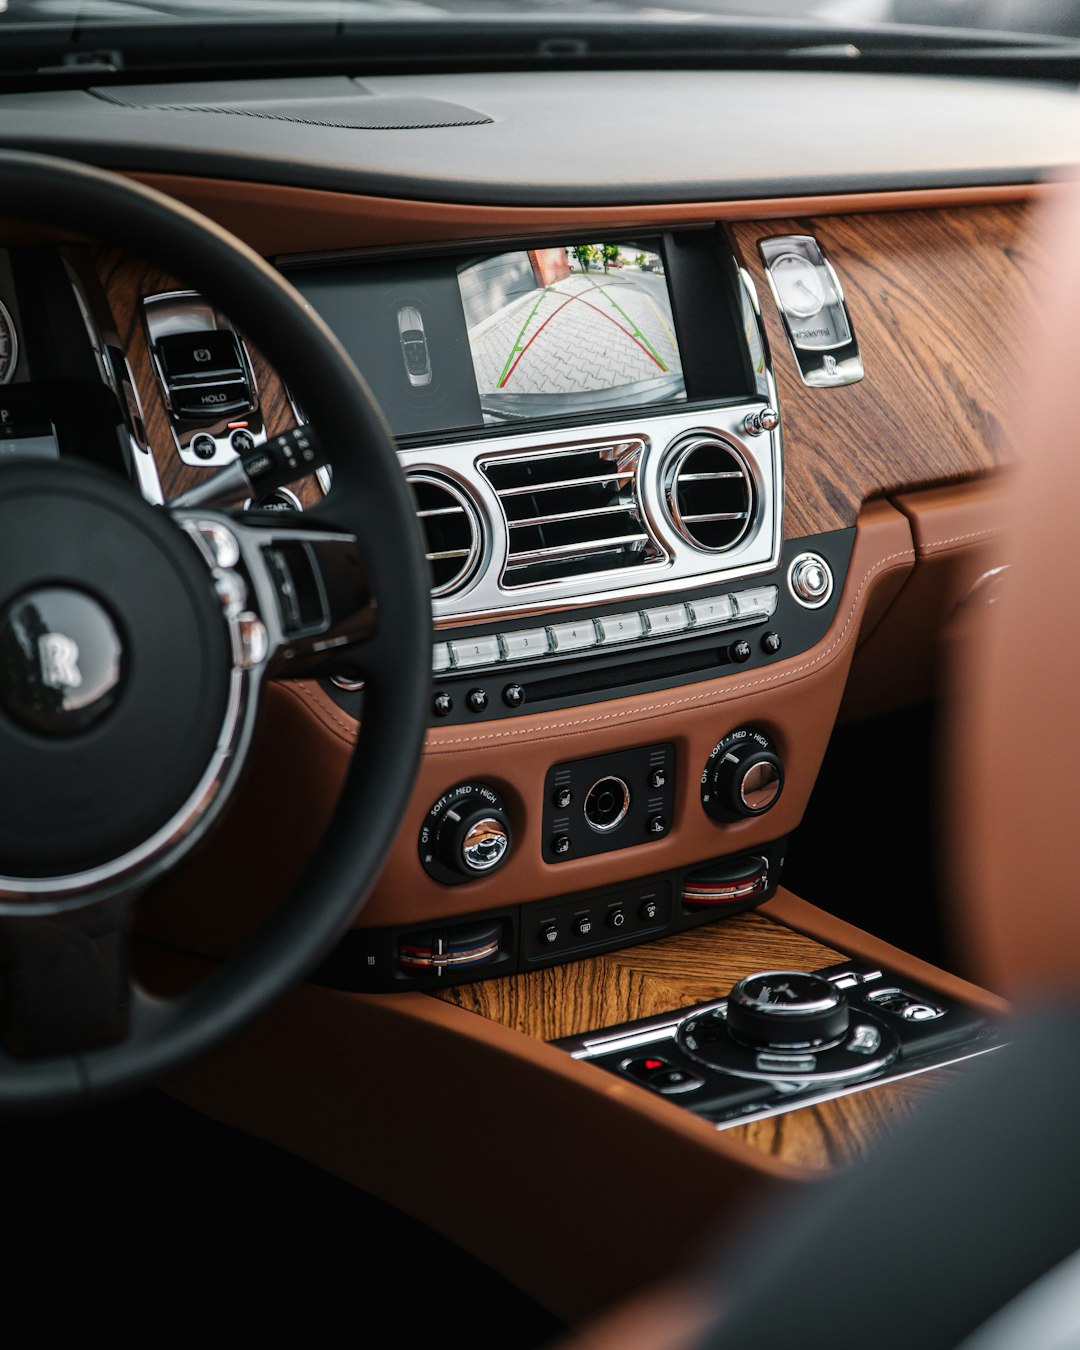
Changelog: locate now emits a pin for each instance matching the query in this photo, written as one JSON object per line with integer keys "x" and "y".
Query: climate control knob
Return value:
{"x": 466, "y": 834}
{"x": 744, "y": 776}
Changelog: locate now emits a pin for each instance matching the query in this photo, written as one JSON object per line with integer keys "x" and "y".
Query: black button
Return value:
{"x": 477, "y": 700}
{"x": 549, "y": 934}
{"x": 442, "y": 705}
{"x": 562, "y": 798}
{"x": 740, "y": 651}
{"x": 242, "y": 441}
{"x": 513, "y": 696}
{"x": 656, "y": 825}
{"x": 204, "y": 447}
{"x": 616, "y": 918}
{"x": 658, "y": 778}
{"x": 646, "y": 1067}
{"x": 582, "y": 925}
{"x": 673, "y": 1080}
{"x": 648, "y": 910}
{"x": 771, "y": 643}
{"x": 198, "y": 358}
{"x": 561, "y": 844}
{"x": 211, "y": 401}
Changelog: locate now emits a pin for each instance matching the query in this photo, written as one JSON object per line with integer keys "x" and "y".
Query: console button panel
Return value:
{"x": 608, "y": 802}
{"x": 730, "y": 1080}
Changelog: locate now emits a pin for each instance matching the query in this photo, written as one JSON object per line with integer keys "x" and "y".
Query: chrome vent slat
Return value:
{"x": 615, "y": 509}
{"x": 570, "y": 550}
{"x": 592, "y": 480}
{"x": 451, "y": 530}
{"x": 709, "y": 492}
{"x": 594, "y": 523}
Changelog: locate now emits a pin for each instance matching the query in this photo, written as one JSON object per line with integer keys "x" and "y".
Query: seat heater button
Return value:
{"x": 620, "y": 628}
{"x": 716, "y": 609}
{"x": 525, "y": 644}
{"x": 569, "y": 637}
{"x": 668, "y": 619}
{"x": 481, "y": 651}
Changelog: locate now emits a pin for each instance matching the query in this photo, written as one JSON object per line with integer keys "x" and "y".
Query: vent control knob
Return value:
{"x": 765, "y": 419}
{"x": 744, "y": 776}
{"x": 466, "y": 834}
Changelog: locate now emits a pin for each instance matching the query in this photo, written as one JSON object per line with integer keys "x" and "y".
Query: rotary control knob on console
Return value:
{"x": 466, "y": 834}
{"x": 787, "y": 1010}
{"x": 744, "y": 776}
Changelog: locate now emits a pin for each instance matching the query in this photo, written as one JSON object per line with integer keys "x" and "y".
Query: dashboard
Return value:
{"x": 705, "y": 429}
{"x": 657, "y": 453}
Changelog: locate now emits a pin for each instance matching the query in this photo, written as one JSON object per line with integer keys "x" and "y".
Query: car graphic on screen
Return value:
{"x": 414, "y": 348}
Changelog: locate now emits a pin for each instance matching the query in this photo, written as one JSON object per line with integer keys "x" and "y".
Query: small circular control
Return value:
{"x": 442, "y": 705}
{"x": 477, "y": 700}
{"x": 810, "y": 580}
{"x": 771, "y": 643}
{"x": 204, "y": 446}
{"x": 741, "y": 651}
{"x": 513, "y": 695}
{"x": 606, "y": 804}
{"x": 466, "y": 834}
{"x": 787, "y": 1010}
{"x": 744, "y": 776}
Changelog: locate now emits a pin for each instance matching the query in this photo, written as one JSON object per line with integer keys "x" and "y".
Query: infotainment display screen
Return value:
{"x": 454, "y": 342}
{"x": 582, "y": 328}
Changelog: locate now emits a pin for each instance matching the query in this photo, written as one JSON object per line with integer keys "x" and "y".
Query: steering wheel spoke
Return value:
{"x": 297, "y": 598}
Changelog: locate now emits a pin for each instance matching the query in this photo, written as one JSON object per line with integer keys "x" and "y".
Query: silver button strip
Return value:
{"x": 711, "y": 614}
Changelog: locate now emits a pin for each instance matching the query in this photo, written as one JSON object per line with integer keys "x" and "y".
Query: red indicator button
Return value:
{"x": 651, "y": 1064}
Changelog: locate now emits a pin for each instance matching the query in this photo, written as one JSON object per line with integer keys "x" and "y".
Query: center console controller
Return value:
{"x": 787, "y": 1039}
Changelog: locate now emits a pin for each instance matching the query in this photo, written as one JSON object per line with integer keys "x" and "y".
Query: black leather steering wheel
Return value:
{"x": 135, "y": 642}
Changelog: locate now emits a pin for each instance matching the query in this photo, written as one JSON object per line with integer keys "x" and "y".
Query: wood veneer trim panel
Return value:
{"x": 283, "y": 220}
{"x": 846, "y": 1129}
{"x": 602, "y": 991}
{"x": 939, "y": 300}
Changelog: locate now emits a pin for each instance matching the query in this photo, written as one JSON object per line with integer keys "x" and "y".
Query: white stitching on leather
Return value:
{"x": 961, "y": 538}
{"x": 721, "y": 695}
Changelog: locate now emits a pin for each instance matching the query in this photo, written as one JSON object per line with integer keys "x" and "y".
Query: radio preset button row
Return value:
{"x": 609, "y": 630}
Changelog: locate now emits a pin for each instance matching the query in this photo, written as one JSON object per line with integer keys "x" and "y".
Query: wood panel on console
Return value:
{"x": 126, "y": 281}
{"x": 941, "y": 303}
{"x": 657, "y": 977}
{"x": 602, "y": 991}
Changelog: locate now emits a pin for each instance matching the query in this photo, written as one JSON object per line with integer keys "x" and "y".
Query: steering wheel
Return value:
{"x": 135, "y": 644}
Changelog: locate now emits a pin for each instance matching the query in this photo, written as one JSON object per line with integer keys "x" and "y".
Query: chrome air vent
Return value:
{"x": 709, "y": 492}
{"x": 451, "y": 531}
{"x": 572, "y": 512}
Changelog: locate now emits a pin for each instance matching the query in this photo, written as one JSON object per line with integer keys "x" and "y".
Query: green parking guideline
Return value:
{"x": 636, "y": 330}
{"x": 517, "y": 347}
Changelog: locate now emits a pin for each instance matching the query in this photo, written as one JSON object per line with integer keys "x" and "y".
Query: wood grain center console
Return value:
{"x": 643, "y": 991}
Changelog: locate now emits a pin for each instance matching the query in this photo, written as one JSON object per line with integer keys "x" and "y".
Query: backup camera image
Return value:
{"x": 579, "y": 328}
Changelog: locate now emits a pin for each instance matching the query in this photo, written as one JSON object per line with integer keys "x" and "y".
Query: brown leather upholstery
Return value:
{"x": 1014, "y": 760}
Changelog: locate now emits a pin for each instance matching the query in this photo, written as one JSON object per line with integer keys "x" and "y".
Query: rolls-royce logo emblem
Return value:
{"x": 59, "y": 658}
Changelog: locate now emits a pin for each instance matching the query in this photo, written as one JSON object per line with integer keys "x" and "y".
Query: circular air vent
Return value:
{"x": 709, "y": 492}
{"x": 451, "y": 531}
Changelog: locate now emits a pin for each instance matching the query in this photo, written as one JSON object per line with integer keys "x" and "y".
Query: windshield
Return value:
{"x": 1046, "y": 17}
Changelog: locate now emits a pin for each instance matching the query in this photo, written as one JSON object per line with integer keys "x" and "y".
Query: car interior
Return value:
{"x": 537, "y": 792}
